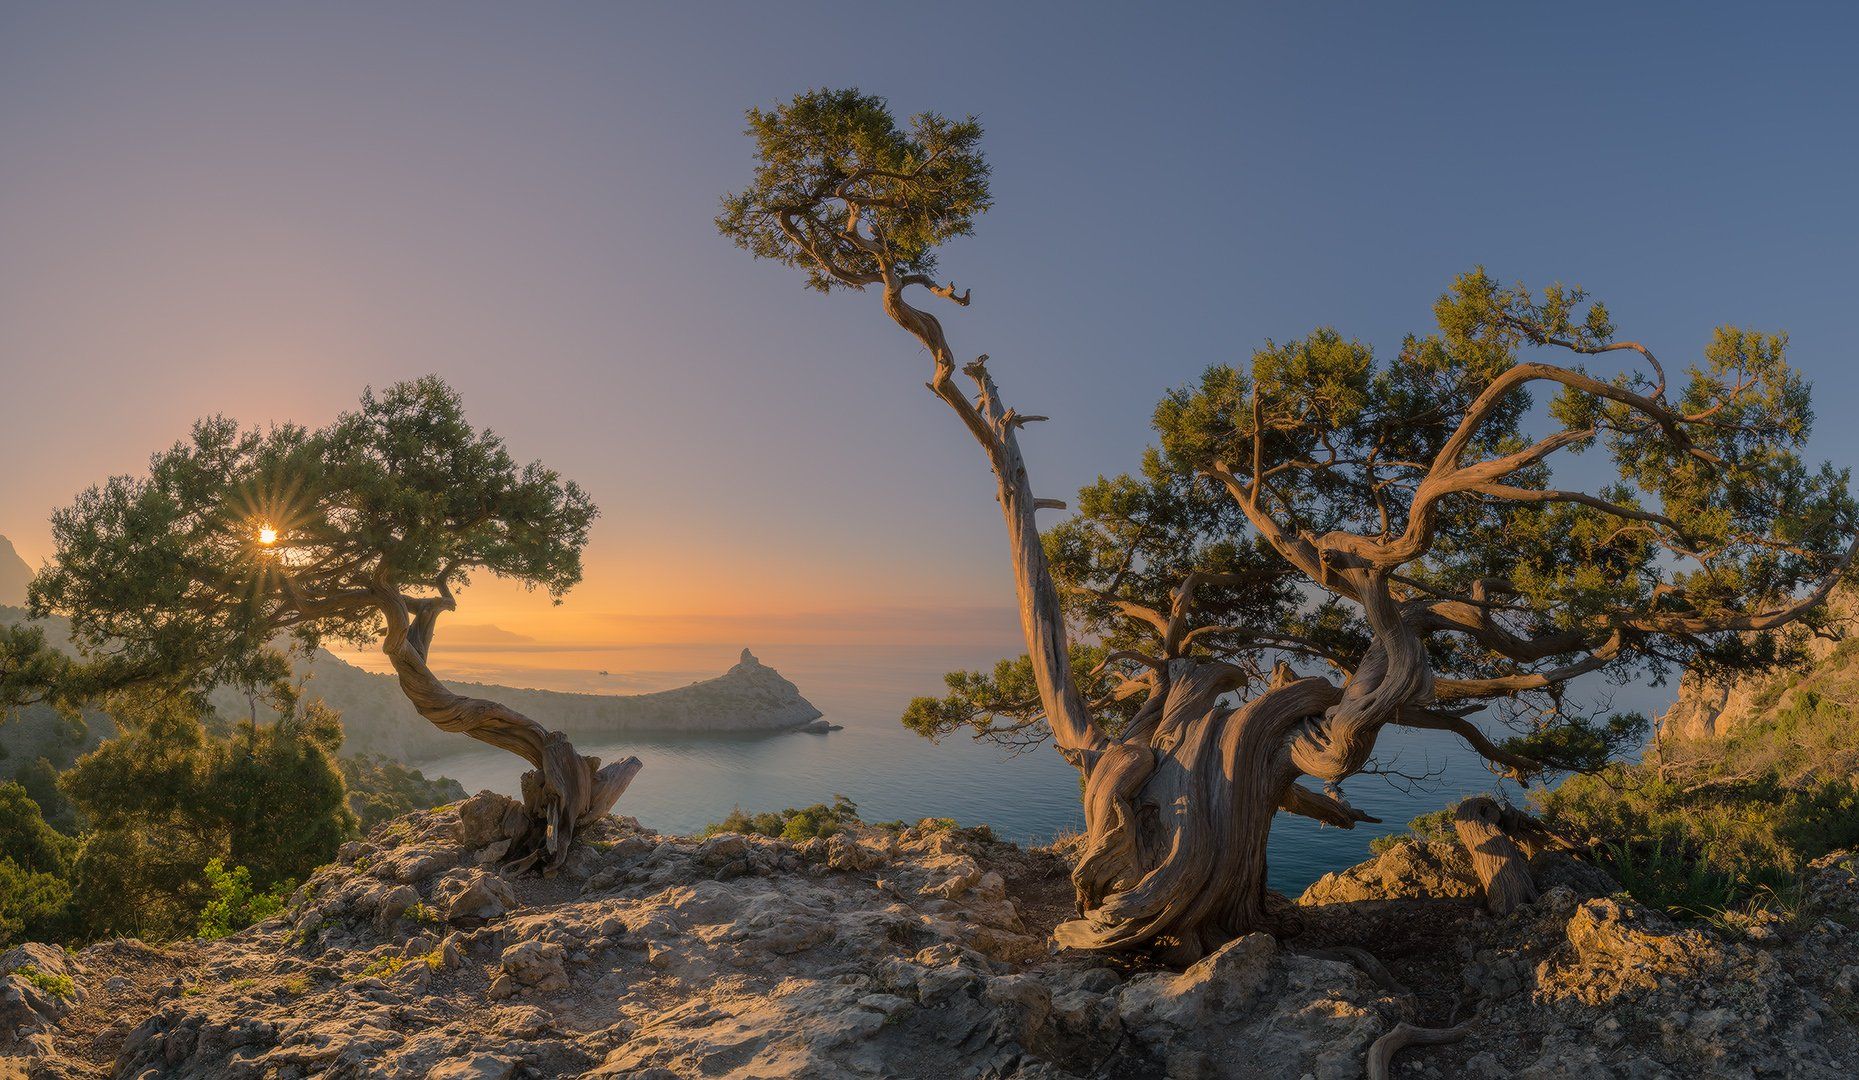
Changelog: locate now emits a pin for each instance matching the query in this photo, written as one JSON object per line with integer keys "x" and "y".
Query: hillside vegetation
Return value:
{"x": 1704, "y": 826}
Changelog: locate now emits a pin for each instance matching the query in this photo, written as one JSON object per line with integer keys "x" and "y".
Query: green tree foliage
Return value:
{"x": 381, "y": 789}
{"x": 30, "y": 669}
{"x": 40, "y": 780}
{"x": 166, "y": 577}
{"x": 794, "y": 823}
{"x": 284, "y": 801}
{"x": 33, "y": 904}
{"x": 169, "y": 796}
{"x": 1002, "y": 706}
{"x": 34, "y": 862}
{"x": 919, "y": 186}
{"x": 235, "y": 904}
{"x": 25, "y": 838}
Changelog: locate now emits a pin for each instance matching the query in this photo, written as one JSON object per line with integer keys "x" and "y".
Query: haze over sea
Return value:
{"x": 892, "y": 773}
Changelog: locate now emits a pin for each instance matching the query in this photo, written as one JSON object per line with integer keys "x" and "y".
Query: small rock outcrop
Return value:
{"x": 1410, "y": 870}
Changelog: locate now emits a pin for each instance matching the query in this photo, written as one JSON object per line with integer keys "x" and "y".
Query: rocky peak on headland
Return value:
{"x": 15, "y": 574}
{"x": 917, "y": 953}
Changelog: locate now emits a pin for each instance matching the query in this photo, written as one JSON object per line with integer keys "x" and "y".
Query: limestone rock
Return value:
{"x": 1411, "y": 869}
{"x": 36, "y": 990}
{"x": 536, "y": 964}
{"x": 640, "y": 961}
{"x": 473, "y": 897}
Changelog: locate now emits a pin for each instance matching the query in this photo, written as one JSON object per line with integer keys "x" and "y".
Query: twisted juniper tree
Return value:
{"x": 1324, "y": 543}
{"x": 358, "y": 532}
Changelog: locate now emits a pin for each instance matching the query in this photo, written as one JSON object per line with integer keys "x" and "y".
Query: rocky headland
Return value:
{"x": 749, "y": 698}
{"x": 922, "y": 953}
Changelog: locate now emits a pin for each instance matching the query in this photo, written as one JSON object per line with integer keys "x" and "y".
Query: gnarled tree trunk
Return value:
{"x": 1177, "y": 815}
{"x": 1179, "y": 808}
{"x": 563, "y": 788}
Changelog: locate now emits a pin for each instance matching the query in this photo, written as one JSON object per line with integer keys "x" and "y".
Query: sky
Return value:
{"x": 257, "y": 210}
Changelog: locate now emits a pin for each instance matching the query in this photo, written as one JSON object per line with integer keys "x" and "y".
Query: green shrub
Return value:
{"x": 32, "y": 904}
{"x": 58, "y": 986}
{"x": 1433, "y": 826}
{"x": 421, "y": 912}
{"x": 795, "y": 824}
{"x": 235, "y": 905}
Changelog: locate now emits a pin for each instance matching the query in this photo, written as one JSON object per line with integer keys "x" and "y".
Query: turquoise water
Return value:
{"x": 891, "y": 773}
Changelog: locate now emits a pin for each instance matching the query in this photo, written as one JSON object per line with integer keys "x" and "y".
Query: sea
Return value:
{"x": 892, "y": 773}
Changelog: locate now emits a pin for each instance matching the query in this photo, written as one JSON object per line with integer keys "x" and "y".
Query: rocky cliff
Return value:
{"x": 920, "y": 953}
{"x": 1712, "y": 708}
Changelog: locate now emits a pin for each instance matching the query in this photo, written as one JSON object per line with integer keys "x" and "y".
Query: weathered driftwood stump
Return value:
{"x": 1500, "y": 841}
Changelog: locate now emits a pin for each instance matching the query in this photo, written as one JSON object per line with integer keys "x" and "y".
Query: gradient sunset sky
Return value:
{"x": 258, "y": 210}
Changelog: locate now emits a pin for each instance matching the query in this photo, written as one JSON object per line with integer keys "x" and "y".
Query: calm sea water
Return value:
{"x": 892, "y": 773}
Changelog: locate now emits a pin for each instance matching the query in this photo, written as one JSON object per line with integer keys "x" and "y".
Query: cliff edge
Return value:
{"x": 1708, "y": 708}
{"x": 915, "y": 953}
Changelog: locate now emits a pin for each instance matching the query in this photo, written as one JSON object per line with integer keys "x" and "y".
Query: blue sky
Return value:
{"x": 258, "y": 209}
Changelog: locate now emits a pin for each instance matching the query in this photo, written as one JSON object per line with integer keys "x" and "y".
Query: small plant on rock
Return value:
{"x": 58, "y": 986}
{"x": 235, "y": 904}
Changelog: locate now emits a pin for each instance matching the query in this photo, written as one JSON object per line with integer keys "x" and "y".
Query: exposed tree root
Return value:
{"x": 1381, "y": 1052}
{"x": 1373, "y": 968}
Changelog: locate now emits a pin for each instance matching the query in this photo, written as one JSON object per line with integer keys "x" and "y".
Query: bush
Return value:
{"x": 32, "y": 904}
{"x": 1433, "y": 826}
{"x": 795, "y": 824}
{"x": 26, "y": 839}
{"x": 235, "y": 905}
{"x": 58, "y": 986}
{"x": 381, "y": 789}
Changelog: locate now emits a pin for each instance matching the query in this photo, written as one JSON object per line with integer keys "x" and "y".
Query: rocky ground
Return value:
{"x": 920, "y": 954}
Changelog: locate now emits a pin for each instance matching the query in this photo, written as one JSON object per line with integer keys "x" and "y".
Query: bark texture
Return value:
{"x": 1501, "y": 841}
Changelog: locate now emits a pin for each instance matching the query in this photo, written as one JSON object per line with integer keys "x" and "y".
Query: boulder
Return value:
{"x": 472, "y": 897}
{"x": 536, "y": 964}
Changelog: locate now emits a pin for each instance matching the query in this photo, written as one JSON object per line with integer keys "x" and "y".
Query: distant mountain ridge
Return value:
{"x": 749, "y": 698}
{"x": 15, "y": 573}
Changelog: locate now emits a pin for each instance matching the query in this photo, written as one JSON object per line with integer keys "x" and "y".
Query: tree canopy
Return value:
{"x": 169, "y": 576}
{"x": 842, "y": 192}
{"x": 1702, "y": 537}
